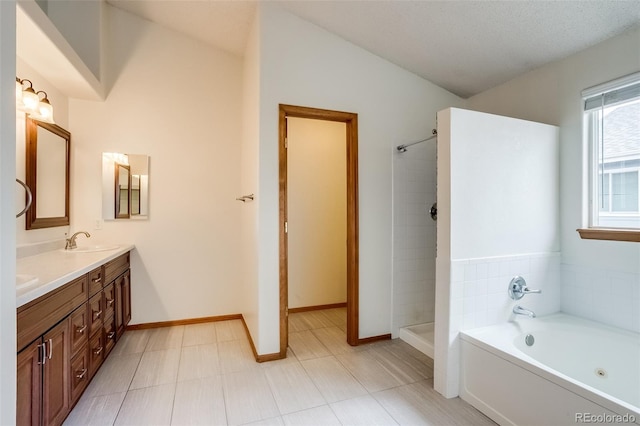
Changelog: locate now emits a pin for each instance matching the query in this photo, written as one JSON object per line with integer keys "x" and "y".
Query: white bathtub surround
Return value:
{"x": 414, "y": 235}
{"x": 608, "y": 296}
{"x": 498, "y": 216}
{"x": 575, "y": 367}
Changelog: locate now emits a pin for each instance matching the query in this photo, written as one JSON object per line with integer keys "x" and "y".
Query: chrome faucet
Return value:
{"x": 71, "y": 242}
{"x": 519, "y": 310}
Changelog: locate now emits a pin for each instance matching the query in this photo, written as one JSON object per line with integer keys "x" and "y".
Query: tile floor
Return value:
{"x": 206, "y": 374}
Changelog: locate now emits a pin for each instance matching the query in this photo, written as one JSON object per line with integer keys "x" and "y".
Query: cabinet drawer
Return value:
{"x": 96, "y": 281}
{"x": 109, "y": 334}
{"x": 96, "y": 355}
{"x": 36, "y": 317}
{"x": 79, "y": 373}
{"x": 116, "y": 267}
{"x": 109, "y": 300}
{"x": 96, "y": 313}
{"x": 79, "y": 328}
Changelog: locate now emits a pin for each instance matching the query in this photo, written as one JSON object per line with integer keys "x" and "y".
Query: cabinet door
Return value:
{"x": 126, "y": 298}
{"x": 55, "y": 381}
{"x": 29, "y": 385}
{"x": 109, "y": 335}
{"x": 123, "y": 302}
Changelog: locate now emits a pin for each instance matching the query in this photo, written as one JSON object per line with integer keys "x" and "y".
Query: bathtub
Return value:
{"x": 575, "y": 371}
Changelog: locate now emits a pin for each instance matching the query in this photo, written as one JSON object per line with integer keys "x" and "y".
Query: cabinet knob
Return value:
{"x": 96, "y": 280}
{"x": 111, "y": 335}
{"x": 97, "y": 314}
{"x": 81, "y": 330}
{"x": 110, "y": 302}
{"x": 80, "y": 374}
{"x": 98, "y": 351}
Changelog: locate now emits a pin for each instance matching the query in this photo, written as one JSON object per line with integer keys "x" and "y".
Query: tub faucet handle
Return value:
{"x": 518, "y": 288}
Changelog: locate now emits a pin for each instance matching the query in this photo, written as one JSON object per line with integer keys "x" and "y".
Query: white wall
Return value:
{"x": 249, "y": 180}
{"x": 301, "y": 64}
{"x": 498, "y": 217}
{"x": 178, "y": 101}
{"x": 7, "y": 213}
{"x": 601, "y": 279}
{"x": 316, "y": 212}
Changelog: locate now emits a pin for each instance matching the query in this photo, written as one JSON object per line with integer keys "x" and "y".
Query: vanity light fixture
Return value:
{"x": 28, "y": 100}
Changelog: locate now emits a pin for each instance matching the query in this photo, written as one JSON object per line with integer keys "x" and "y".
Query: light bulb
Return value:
{"x": 44, "y": 110}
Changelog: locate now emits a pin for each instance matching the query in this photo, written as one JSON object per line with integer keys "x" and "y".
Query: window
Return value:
{"x": 612, "y": 132}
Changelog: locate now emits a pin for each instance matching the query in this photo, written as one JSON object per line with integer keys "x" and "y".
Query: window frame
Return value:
{"x": 592, "y": 169}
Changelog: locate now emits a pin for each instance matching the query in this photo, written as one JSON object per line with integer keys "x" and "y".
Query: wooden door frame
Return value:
{"x": 351, "y": 121}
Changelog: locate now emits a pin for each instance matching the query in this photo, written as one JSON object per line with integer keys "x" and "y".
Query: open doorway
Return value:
{"x": 350, "y": 160}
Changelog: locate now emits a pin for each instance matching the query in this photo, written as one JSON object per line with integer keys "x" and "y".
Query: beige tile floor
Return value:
{"x": 205, "y": 374}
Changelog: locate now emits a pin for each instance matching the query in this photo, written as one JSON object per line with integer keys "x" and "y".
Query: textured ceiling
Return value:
{"x": 465, "y": 47}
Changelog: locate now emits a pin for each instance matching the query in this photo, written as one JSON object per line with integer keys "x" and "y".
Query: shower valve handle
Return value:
{"x": 518, "y": 288}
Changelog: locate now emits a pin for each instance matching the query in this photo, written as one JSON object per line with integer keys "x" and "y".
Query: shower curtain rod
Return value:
{"x": 403, "y": 147}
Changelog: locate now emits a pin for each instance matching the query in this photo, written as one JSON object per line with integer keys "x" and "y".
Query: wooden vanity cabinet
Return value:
{"x": 63, "y": 339}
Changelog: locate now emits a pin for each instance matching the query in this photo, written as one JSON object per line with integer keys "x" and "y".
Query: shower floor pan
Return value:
{"x": 420, "y": 336}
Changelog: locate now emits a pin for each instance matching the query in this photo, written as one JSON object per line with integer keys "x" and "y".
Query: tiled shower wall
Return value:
{"x": 607, "y": 296}
{"x": 479, "y": 295}
{"x": 414, "y": 235}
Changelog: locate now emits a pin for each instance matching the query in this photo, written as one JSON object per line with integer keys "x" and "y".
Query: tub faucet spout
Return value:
{"x": 519, "y": 310}
{"x": 71, "y": 242}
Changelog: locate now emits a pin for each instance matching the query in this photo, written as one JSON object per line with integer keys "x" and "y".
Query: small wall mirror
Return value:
{"x": 125, "y": 186}
{"x": 47, "y": 174}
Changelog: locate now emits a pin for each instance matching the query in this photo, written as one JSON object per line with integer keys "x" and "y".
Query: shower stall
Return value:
{"x": 414, "y": 243}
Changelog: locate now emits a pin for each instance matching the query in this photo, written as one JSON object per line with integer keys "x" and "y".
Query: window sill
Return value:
{"x": 629, "y": 235}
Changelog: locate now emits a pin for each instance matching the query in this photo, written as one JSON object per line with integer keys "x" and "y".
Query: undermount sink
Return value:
{"x": 94, "y": 248}
{"x": 25, "y": 280}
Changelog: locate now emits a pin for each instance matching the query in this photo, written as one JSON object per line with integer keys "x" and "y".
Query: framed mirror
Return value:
{"x": 122, "y": 191}
{"x": 125, "y": 186}
{"x": 47, "y": 174}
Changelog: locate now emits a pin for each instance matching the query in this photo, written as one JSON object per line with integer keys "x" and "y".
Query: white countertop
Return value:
{"x": 57, "y": 267}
